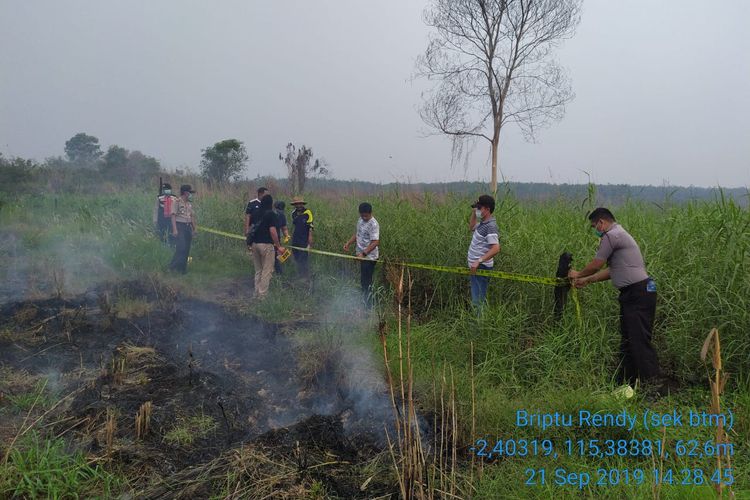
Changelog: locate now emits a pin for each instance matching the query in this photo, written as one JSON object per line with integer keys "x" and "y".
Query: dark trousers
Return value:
{"x": 638, "y": 358}
{"x": 182, "y": 248}
{"x": 303, "y": 265}
{"x": 367, "y": 269}
{"x": 164, "y": 230}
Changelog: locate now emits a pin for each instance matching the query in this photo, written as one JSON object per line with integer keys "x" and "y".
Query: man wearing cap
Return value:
{"x": 162, "y": 213}
{"x": 302, "y": 219}
{"x": 626, "y": 269}
{"x": 183, "y": 228}
{"x": 485, "y": 244}
{"x": 253, "y": 211}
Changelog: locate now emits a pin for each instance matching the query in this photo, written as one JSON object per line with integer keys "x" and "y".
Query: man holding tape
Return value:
{"x": 367, "y": 237}
{"x": 302, "y": 219}
{"x": 626, "y": 269}
{"x": 485, "y": 244}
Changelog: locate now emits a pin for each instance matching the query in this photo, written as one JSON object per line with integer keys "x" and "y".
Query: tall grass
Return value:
{"x": 698, "y": 253}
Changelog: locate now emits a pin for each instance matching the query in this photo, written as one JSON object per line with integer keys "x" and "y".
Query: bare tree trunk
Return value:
{"x": 295, "y": 180}
{"x": 493, "y": 182}
{"x": 495, "y": 150}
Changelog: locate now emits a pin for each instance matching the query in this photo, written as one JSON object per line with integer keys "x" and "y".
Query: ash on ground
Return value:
{"x": 170, "y": 387}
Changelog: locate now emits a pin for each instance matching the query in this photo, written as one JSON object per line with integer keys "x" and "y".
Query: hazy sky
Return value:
{"x": 662, "y": 88}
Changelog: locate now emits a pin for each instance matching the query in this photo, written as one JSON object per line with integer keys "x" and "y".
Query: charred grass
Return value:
{"x": 180, "y": 396}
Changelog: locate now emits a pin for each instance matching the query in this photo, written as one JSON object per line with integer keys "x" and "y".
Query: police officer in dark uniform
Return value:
{"x": 626, "y": 269}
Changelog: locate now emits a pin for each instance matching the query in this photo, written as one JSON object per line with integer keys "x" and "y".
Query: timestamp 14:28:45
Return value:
{"x": 636, "y": 476}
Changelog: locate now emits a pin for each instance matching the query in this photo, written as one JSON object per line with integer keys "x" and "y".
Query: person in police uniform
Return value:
{"x": 627, "y": 271}
{"x": 183, "y": 228}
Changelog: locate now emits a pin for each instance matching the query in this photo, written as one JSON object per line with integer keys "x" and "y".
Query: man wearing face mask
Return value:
{"x": 485, "y": 244}
{"x": 626, "y": 269}
{"x": 162, "y": 214}
{"x": 183, "y": 228}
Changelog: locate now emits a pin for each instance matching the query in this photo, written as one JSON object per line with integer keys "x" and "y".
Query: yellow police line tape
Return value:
{"x": 526, "y": 278}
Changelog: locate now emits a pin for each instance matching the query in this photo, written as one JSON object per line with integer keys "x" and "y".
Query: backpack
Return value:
{"x": 253, "y": 208}
{"x": 168, "y": 200}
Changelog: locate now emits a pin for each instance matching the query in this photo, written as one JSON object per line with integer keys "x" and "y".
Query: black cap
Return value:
{"x": 485, "y": 201}
{"x": 166, "y": 185}
{"x": 185, "y": 188}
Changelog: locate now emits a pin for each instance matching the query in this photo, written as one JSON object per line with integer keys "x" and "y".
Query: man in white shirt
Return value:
{"x": 367, "y": 237}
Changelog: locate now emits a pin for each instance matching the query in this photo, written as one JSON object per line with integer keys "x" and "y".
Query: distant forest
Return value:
{"x": 613, "y": 194}
{"x": 86, "y": 168}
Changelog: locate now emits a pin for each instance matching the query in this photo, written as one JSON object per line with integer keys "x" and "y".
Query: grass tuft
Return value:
{"x": 190, "y": 429}
{"x": 42, "y": 468}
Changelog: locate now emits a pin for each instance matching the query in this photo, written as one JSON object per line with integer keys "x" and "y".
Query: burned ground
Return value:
{"x": 178, "y": 393}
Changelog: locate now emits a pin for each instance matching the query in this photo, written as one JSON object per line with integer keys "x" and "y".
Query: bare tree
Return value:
{"x": 492, "y": 58}
{"x": 300, "y": 166}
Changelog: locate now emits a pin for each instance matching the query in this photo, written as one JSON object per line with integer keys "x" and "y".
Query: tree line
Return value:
{"x": 82, "y": 168}
{"x": 85, "y": 166}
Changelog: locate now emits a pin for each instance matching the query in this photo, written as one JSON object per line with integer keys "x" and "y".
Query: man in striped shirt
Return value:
{"x": 485, "y": 244}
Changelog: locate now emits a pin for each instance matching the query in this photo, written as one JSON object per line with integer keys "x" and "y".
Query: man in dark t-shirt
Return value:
{"x": 253, "y": 211}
